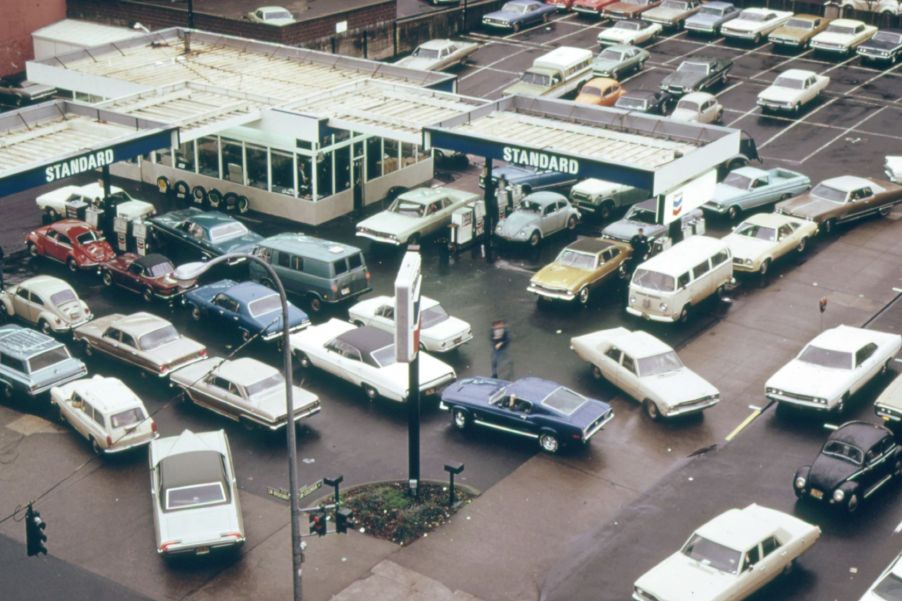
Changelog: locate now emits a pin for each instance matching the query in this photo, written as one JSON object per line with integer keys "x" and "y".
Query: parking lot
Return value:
{"x": 536, "y": 512}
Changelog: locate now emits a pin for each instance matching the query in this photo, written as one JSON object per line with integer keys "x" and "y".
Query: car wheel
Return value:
{"x": 534, "y": 239}
{"x": 243, "y": 205}
{"x": 897, "y": 469}
{"x": 196, "y": 313}
{"x": 460, "y": 420}
{"x": 830, "y": 227}
{"x": 571, "y": 223}
{"x": 516, "y": 27}
{"x": 719, "y": 116}
{"x": 684, "y": 314}
{"x": 734, "y": 212}
{"x": 98, "y": 450}
{"x": 32, "y": 249}
{"x": 606, "y": 210}
{"x": 549, "y": 443}
{"x": 841, "y": 405}
{"x": 757, "y": 39}
{"x": 303, "y": 360}
{"x": 765, "y": 267}
{"x": 245, "y": 336}
{"x": 413, "y": 240}
{"x": 883, "y": 211}
{"x": 58, "y": 413}
{"x": 44, "y": 326}
{"x": 314, "y": 303}
{"x": 72, "y": 265}
{"x": 885, "y": 367}
{"x": 797, "y": 108}
{"x": 370, "y": 392}
{"x": 147, "y": 294}
{"x": 853, "y": 503}
{"x": 583, "y": 296}
{"x": 87, "y": 349}
{"x": 7, "y": 391}
{"x": 651, "y": 409}
{"x": 357, "y": 323}
{"x": 107, "y": 278}
{"x": 803, "y": 246}
{"x": 596, "y": 373}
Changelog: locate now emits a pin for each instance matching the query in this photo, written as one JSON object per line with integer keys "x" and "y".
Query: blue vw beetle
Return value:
{"x": 541, "y": 409}
{"x": 251, "y": 307}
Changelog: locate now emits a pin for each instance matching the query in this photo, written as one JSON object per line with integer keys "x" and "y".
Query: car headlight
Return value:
{"x": 632, "y": 300}
{"x": 821, "y": 401}
{"x": 800, "y": 482}
{"x": 748, "y": 261}
{"x": 662, "y": 307}
{"x": 838, "y": 495}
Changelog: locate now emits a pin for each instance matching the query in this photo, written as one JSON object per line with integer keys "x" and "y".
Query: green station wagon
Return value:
{"x": 32, "y": 362}
{"x": 320, "y": 271}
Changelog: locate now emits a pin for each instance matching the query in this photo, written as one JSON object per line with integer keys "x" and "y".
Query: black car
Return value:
{"x": 885, "y": 46}
{"x": 856, "y": 461}
{"x": 696, "y": 74}
{"x": 648, "y": 101}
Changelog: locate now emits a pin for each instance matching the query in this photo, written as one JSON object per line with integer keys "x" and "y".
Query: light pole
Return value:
{"x": 192, "y": 271}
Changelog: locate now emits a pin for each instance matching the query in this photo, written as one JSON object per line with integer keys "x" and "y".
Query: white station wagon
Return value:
{"x": 729, "y": 557}
{"x": 47, "y": 302}
{"x": 647, "y": 369}
{"x": 833, "y": 367}
{"x": 439, "y": 332}
{"x": 106, "y": 412}
{"x": 53, "y": 203}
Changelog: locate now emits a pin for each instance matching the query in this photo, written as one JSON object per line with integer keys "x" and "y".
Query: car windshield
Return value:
{"x": 62, "y": 297}
{"x": 654, "y": 280}
{"x": 631, "y": 25}
{"x": 425, "y": 52}
{"x": 674, "y": 4}
{"x": 800, "y": 24}
{"x": 843, "y": 450}
{"x": 625, "y": 102}
{"x": 659, "y": 364}
{"x": 712, "y": 554}
{"x": 196, "y": 495}
{"x": 590, "y": 91}
{"x": 563, "y": 400}
{"x": 688, "y": 105}
{"x": 262, "y": 306}
{"x": 432, "y": 316}
{"x": 793, "y": 83}
{"x": 611, "y": 55}
{"x": 127, "y": 418}
{"x": 711, "y": 10}
{"x": 158, "y": 337}
{"x": 748, "y": 15}
{"x": 888, "y": 36}
{"x": 826, "y": 357}
{"x": 841, "y": 29}
{"x": 825, "y": 192}
{"x": 278, "y": 14}
{"x": 47, "y": 358}
{"x": 513, "y": 7}
{"x": 737, "y": 180}
{"x": 265, "y": 385}
{"x": 119, "y": 196}
{"x": 890, "y": 588}
{"x": 227, "y": 231}
{"x": 642, "y": 215}
{"x": 688, "y": 67}
{"x": 758, "y": 232}
{"x": 88, "y": 237}
{"x": 407, "y": 208}
{"x": 572, "y": 258}
{"x": 160, "y": 269}
{"x": 384, "y": 356}
{"x": 539, "y": 79}
{"x": 531, "y": 206}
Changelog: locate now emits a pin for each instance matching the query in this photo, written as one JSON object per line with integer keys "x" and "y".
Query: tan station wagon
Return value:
{"x": 580, "y": 267}
{"x": 798, "y": 31}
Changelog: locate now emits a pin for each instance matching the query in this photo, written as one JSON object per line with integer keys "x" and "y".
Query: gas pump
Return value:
{"x": 94, "y": 217}
{"x": 467, "y": 224}
{"x": 139, "y": 229}
{"x": 120, "y": 227}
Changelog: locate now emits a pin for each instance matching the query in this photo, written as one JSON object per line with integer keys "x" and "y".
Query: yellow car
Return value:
{"x": 579, "y": 268}
{"x": 798, "y": 31}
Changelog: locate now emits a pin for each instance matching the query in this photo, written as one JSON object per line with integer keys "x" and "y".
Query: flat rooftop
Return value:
{"x": 301, "y": 9}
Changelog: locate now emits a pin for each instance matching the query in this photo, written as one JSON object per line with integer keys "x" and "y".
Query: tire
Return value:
{"x": 314, "y": 303}
{"x": 797, "y": 108}
{"x": 757, "y": 39}
{"x": 413, "y": 240}
{"x": 830, "y": 227}
{"x": 181, "y": 190}
{"x": 242, "y": 205}
{"x": 196, "y": 313}
{"x": 460, "y": 420}
{"x": 147, "y": 294}
{"x": 44, "y": 327}
{"x": 549, "y": 443}
{"x": 606, "y": 210}
{"x": 535, "y": 238}
{"x": 245, "y": 336}
{"x": 885, "y": 367}
{"x": 52, "y": 214}
{"x": 6, "y": 391}
{"x": 571, "y": 223}
{"x": 803, "y": 246}
{"x": 583, "y": 296}
{"x": 96, "y": 448}
{"x": 230, "y": 202}
{"x": 370, "y": 393}
{"x": 59, "y": 415}
{"x": 596, "y": 373}
{"x": 853, "y": 503}
{"x": 897, "y": 469}
{"x": 841, "y": 406}
{"x": 883, "y": 211}
{"x": 214, "y": 198}
{"x": 651, "y": 409}
{"x": 163, "y": 185}
{"x": 107, "y": 278}
{"x": 765, "y": 267}
{"x": 733, "y": 212}
{"x": 72, "y": 265}
{"x": 199, "y": 195}
{"x": 357, "y": 323}
{"x": 684, "y": 313}
{"x": 303, "y": 360}
{"x": 32, "y": 249}
{"x": 516, "y": 27}
{"x": 719, "y": 116}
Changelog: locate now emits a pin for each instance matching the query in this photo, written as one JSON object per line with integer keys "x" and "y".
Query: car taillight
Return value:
{"x": 368, "y": 275}
{"x": 164, "y": 369}
{"x": 153, "y": 426}
{"x": 165, "y": 546}
{"x": 203, "y": 353}
{"x": 109, "y": 441}
{"x": 577, "y": 436}
{"x": 231, "y": 535}
{"x": 334, "y": 288}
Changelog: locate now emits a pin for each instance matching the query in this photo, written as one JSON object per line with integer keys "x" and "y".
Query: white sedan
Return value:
{"x": 414, "y": 215}
{"x": 730, "y": 557}
{"x": 833, "y": 367}
{"x": 365, "y": 357}
{"x": 892, "y": 166}
{"x": 53, "y": 203}
{"x": 843, "y": 36}
{"x": 698, "y": 107}
{"x": 765, "y": 237}
{"x": 439, "y": 332}
{"x": 47, "y": 302}
{"x": 629, "y": 31}
{"x": 888, "y": 586}
{"x": 755, "y": 23}
{"x": 647, "y": 369}
{"x": 792, "y": 90}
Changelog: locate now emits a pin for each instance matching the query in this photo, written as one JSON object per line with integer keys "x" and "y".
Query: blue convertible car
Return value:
{"x": 552, "y": 414}
{"x": 517, "y": 14}
{"x": 251, "y": 307}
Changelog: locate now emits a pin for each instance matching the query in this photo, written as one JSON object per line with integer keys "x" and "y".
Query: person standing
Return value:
{"x": 500, "y": 337}
{"x": 503, "y": 195}
{"x": 639, "y": 242}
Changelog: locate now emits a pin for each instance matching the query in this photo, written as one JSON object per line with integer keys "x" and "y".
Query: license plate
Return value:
{"x": 345, "y": 290}
{"x": 458, "y": 339}
{"x": 817, "y": 494}
{"x": 202, "y": 550}
{"x": 646, "y": 303}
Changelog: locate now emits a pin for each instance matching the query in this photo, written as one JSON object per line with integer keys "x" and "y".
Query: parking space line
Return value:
{"x": 780, "y": 64}
{"x": 668, "y": 38}
{"x": 845, "y": 132}
{"x": 797, "y": 122}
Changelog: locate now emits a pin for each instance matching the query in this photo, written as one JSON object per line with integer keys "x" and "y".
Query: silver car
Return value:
{"x": 142, "y": 339}
{"x": 540, "y": 214}
{"x": 196, "y": 509}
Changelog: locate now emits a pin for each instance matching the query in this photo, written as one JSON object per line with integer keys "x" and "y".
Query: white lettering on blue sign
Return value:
{"x": 540, "y": 160}
{"x": 78, "y": 165}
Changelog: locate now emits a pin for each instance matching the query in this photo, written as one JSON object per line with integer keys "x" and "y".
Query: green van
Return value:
{"x": 320, "y": 271}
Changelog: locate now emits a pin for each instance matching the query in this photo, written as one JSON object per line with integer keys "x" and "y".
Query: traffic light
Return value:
{"x": 318, "y": 522}
{"x": 34, "y": 532}
{"x": 343, "y": 518}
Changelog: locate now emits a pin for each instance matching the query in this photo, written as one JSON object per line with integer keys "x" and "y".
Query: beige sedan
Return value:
{"x": 763, "y": 238}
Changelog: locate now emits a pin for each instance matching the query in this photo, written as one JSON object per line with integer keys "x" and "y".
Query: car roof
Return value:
{"x": 718, "y": 4}
{"x": 544, "y": 198}
{"x": 140, "y": 323}
{"x": 844, "y": 338}
{"x": 848, "y": 182}
{"x": 797, "y": 73}
{"x": 22, "y": 343}
{"x": 601, "y": 81}
{"x": 436, "y": 44}
{"x": 591, "y": 245}
{"x": 620, "y": 48}
{"x": 807, "y": 17}
{"x": 188, "y": 442}
{"x": 245, "y": 371}
{"x": 863, "y": 435}
{"x": 532, "y": 389}
{"x": 47, "y": 282}
{"x": 697, "y": 97}
{"x": 309, "y": 246}
{"x": 700, "y": 59}
{"x": 638, "y": 343}
{"x": 688, "y": 252}
{"x": 427, "y": 195}
{"x": 246, "y": 292}
{"x": 70, "y": 226}
{"x": 736, "y": 529}
{"x": 106, "y": 394}
{"x": 151, "y": 260}
{"x": 367, "y": 339}
{"x": 847, "y": 22}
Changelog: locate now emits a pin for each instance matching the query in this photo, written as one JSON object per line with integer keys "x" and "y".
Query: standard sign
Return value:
{"x": 539, "y": 160}
{"x": 407, "y": 308}
{"x": 77, "y": 165}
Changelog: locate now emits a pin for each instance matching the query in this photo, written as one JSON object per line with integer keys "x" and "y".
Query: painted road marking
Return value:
{"x": 756, "y": 411}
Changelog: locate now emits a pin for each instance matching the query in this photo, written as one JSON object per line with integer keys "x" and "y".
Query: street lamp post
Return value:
{"x": 192, "y": 271}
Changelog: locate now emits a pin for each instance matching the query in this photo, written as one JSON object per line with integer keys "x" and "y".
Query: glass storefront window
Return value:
{"x": 282, "y": 171}
{"x": 373, "y": 158}
{"x": 342, "y": 168}
{"x": 164, "y": 156}
{"x": 184, "y": 156}
{"x": 232, "y": 161}
{"x": 256, "y": 166}
{"x": 390, "y": 154}
{"x": 323, "y": 174}
{"x": 305, "y": 176}
{"x": 208, "y": 156}
{"x": 408, "y": 154}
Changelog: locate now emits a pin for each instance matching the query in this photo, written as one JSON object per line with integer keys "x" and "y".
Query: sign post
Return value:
{"x": 407, "y": 344}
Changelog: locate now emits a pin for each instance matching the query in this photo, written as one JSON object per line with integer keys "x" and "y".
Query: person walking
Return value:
{"x": 500, "y": 337}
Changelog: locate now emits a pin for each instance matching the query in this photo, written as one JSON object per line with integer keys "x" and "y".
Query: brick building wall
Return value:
{"x": 19, "y": 19}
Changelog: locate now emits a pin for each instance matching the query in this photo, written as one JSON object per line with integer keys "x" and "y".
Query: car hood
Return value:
{"x": 627, "y": 228}
{"x": 779, "y": 94}
{"x": 679, "y": 386}
{"x": 272, "y": 321}
{"x": 745, "y": 25}
{"x": 804, "y": 378}
{"x": 806, "y": 206}
{"x": 133, "y": 209}
{"x": 703, "y": 19}
{"x": 724, "y": 192}
{"x": 828, "y": 472}
{"x": 516, "y": 221}
{"x": 207, "y": 292}
{"x": 878, "y": 44}
{"x": 390, "y": 223}
{"x": 417, "y": 62}
{"x": 605, "y": 64}
{"x": 828, "y": 37}
{"x": 618, "y": 35}
{"x": 198, "y": 525}
{"x": 474, "y": 391}
{"x": 173, "y": 218}
{"x": 682, "y": 78}
{"x": 272, "y": 402}
{"x": 744, "y": 247}
{"x": 662, "y": 12}
{"x": 561, "y": 276}
{"x": 240, "y": 244}
{"x": 680, "y": 578}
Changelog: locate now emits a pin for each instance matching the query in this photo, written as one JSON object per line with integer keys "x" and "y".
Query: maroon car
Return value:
{"x": 149, "y": 275}
{"x": 72, "y": 242}
{"x": 591, "y": 7}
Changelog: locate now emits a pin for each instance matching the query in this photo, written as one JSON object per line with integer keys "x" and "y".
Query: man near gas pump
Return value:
{"x": 639, "y": 242}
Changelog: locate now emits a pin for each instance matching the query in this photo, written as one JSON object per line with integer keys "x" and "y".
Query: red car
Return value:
{"x": 150, "y": 276}
{"x": 591, "y": 7}
{"x": 561, "y": 4}
{"x": 72, "y": 242}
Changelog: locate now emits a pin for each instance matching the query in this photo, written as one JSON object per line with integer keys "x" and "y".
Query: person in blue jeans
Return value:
{"x": 500, "y": 337}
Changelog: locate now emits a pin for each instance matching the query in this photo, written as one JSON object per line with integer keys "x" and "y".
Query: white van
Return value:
{"x": 555, "y": 74}
{"x": 668, "y": 285}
